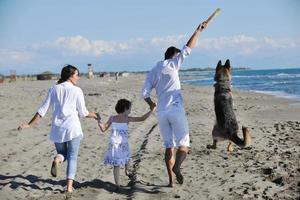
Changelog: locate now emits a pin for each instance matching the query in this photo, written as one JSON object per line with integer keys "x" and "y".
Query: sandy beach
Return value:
{"x": 269, "y": 169}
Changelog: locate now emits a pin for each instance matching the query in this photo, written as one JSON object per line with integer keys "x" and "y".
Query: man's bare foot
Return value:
{"x": 171, "y": 181}
{"x": 178, "y": 175}
{"x": 170, "y": 185}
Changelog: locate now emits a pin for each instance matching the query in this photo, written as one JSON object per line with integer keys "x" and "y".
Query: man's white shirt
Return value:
{"x": 164, "y": 78}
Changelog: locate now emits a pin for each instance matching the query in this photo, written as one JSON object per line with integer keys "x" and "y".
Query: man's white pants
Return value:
{"x": 173, "y": 126}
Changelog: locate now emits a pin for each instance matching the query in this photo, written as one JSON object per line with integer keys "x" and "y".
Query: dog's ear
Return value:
{"x": 227, "y": 64}
{"x": 219, "y": 65}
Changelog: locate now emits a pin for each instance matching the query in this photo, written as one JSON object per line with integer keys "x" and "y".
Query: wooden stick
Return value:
{"x": 213, "y": 15}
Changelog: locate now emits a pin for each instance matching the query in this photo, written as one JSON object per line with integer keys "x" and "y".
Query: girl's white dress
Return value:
{"x": 118, "y": 149}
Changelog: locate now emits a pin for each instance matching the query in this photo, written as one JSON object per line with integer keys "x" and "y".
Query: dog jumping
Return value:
{"x": 226, "y": 126}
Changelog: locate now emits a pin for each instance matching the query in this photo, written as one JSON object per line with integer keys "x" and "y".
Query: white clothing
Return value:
{"x": 164, "y": 78}
{"x": 67, "y": 101}
{"x": 118, "y": 150}
{"x": 173, "y": 126}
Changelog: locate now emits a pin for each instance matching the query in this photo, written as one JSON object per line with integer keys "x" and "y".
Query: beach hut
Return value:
{"x": 45, "y": 76}
{"x": 1, "y": 78}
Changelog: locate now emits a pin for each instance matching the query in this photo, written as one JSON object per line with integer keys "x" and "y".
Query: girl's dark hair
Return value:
{"x": 66, "y": 73}
{"x": 171, "y": 51}
{"x": 122, "y": 105}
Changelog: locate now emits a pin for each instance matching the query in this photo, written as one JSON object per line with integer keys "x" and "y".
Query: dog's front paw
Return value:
{"x": 230, "y": 147}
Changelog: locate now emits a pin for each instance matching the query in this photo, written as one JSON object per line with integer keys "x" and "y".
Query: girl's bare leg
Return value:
{"x": 126, "y": 170}
{"x": 117, "y": 175}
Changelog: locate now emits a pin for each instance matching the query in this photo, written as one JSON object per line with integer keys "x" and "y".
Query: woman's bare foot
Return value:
{"x": 69, "y": 185}
{"x": 54, "y": 168}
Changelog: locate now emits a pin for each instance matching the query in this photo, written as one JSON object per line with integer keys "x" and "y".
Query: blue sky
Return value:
{"x": 132, "y": 35}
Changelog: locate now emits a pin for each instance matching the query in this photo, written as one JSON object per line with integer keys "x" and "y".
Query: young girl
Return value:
{"x": 118, "y": 154}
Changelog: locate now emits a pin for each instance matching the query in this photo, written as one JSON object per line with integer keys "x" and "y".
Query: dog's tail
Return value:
{"x": 247, "y": 138}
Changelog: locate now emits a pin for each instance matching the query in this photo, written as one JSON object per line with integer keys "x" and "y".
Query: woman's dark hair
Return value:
{"x": 122, "y": 105}
{"x": 66, "y": 73}
{"x": 171, "y": 51}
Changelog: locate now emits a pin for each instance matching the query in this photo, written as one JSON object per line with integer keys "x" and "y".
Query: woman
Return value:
{"x": 67, "y": 102}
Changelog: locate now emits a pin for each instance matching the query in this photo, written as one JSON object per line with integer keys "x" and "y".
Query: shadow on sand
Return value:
{"x": 16, "y": 181}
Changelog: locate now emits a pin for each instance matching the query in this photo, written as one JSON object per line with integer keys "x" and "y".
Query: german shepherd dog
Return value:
{"x": 226, "y": 127}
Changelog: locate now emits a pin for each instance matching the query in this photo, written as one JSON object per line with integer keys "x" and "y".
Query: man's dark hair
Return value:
{"x": 122, "y": 105}
{"x": 171, "y": 51}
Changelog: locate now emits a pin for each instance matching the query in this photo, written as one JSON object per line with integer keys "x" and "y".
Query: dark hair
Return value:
{"x": 122, "y": 105}
{"x": 171, "y": 51}
{"x": 66, "y": 73}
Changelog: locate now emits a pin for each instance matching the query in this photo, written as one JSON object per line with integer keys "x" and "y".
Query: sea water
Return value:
{"x": 278, "y": 82}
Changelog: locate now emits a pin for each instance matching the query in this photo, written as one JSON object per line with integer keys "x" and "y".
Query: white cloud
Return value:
{"x": 281, "y": 43}
{"x": 14, "y": 56}
{"x": 80, "y": 45}
{"x": 248, "y": 45}
{"x": 168, "y": 40}
{"x": 79, "y": 48}
{"x": 246, "y": 51}
{"x": 238, "y": 44}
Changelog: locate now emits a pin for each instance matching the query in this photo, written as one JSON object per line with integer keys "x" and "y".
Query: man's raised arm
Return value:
{"x": 194, "y": 38}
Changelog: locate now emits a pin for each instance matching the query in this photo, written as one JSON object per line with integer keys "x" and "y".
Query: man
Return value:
{"x": 164, "y": 77}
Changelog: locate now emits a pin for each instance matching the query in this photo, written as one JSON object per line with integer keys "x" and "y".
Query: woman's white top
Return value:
{"x": 67, "y": 102}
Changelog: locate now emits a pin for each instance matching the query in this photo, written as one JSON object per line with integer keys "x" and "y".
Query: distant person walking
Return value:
{"x": 116, "y": 75}
{"x": 173, "y": 124}
{"x": 67, "y": 101}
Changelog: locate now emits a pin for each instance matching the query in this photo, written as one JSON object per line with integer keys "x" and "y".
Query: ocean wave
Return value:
{"x": 275, "y": 76}
{"x": 281, "y": 83}
{"x": 278, "y": 94}
{"x": 283, "y": 74}
{"x": 197, "y": 80}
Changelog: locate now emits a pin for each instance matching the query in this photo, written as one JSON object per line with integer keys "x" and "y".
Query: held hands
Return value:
{"x": 98, "y": 118}
{"x": 153, "y": 107}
